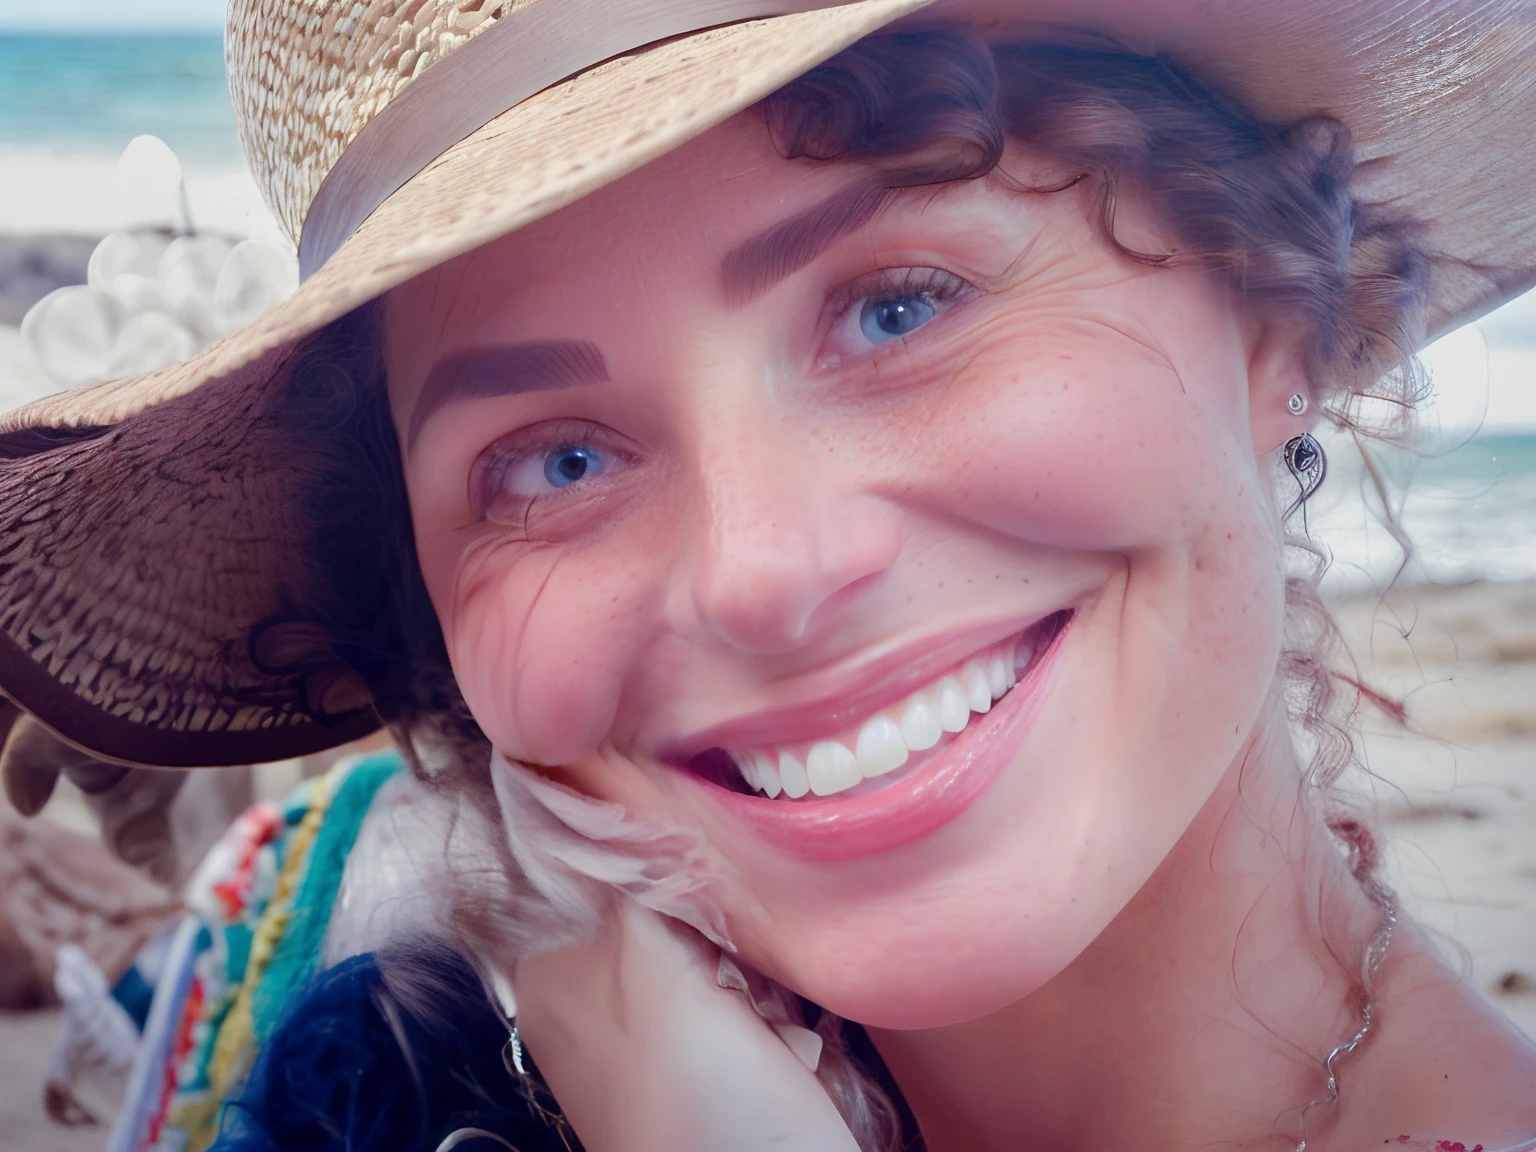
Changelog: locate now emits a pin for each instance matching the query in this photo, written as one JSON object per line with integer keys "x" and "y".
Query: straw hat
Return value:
{"x": 390, "y": 135}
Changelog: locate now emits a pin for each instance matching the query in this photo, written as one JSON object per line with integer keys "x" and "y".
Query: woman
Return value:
{"x": 850, "y": 523}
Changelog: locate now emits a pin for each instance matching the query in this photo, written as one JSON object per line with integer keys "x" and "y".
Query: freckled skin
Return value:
{"x": 1142, "y": 935}
{"x": 1081, "y": 431}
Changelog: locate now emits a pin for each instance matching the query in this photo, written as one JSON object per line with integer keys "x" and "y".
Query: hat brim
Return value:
{"x": 137, "y": 561}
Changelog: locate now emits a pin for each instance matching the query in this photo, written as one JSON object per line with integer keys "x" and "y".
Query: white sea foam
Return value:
{"x": 1468, "y": 515}
{"x": 150, "y": 301}
{"x": 49, "y": 191}
{"x": 1468, "y": 518}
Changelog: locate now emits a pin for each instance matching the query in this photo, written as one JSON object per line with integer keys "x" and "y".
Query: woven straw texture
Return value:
{"x": 307, "y": 75}
{"x": 548, "y": 152}
{"x": 136, "y": 566}
{"x": 138, "y": 605}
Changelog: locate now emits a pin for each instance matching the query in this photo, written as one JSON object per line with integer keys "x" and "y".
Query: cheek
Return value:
{"x": 1126, "y": 464}
{"x": 542, "y": 642}
{"x": 1075, "y": 435}
{"x": 1093, "y": 442}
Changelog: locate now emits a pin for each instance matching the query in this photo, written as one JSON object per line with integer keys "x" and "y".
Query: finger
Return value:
{"x": 63, "y": 1109}
{"x": 132, "y": 804}
{"x": 29, "y": 782}
{"x": 135, "y": 813}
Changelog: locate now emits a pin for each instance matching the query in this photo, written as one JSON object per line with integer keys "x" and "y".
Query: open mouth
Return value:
{"x": 893, "y": 744}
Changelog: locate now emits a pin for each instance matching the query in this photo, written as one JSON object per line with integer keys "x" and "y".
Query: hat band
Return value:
{"x": 523, "y": 53}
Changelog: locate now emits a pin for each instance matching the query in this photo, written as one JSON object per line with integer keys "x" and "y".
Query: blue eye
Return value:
{"x": 565, "y": 466}
{"x": 894, "y": 317}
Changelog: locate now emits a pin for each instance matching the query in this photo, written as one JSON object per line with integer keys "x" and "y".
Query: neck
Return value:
{"x": 1199, "y": 1018}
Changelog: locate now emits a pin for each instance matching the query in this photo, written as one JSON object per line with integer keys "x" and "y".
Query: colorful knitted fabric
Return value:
{"x": 265, "y": 894}
{"x": 352, "y": 1068}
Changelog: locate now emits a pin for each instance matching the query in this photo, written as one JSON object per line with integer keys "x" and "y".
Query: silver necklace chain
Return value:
{"x": 1375, "y": 953}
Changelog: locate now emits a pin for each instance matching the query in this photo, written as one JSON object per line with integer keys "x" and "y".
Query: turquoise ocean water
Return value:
{"x": 92, "y": 94}
{"x": 1471, "y": 511}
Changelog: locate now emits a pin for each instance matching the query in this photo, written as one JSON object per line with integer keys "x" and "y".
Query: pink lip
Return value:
{"x": 834, "y": 698}
{"x": 847, "y": 828}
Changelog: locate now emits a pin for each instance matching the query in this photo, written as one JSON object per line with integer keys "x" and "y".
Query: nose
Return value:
{"x": 789, "y": 537}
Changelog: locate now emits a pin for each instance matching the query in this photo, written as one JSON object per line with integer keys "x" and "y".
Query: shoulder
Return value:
{"x": 363, "y": 1061}
{"x": 324, "y": 1011}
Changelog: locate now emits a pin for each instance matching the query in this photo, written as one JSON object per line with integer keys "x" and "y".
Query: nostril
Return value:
{"x": 758, "y": 611}
{"x": 776, "y": 604}
{"x": 777, "y": 567}
{"x": 767, "y": 632}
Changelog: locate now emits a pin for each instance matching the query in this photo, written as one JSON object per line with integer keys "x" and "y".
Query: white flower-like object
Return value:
{"x": 153, "y": 298}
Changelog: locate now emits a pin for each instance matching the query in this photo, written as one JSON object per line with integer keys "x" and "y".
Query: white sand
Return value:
{"x": 25, "y": 1044}
{"x": 1456, "y": 794}
{"x": 1456, "y": 803}
{"x": 1458, "y": 811}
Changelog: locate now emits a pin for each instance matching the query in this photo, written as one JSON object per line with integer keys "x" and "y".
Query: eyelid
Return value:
{"x": 514, "y": 448}
{"x": 940, "y": 283}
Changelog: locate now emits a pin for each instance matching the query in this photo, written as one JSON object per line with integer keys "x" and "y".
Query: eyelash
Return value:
{"x": 495, "y": 464}
{"x": 937, "y": 284}
{"x": 491, "y": 469}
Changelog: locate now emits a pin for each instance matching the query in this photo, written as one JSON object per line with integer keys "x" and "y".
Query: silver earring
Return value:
{"x": 1308, "y": 465}
{"x": 1296, "y": 405}
{"x": 514, "y": 1058}
{"x": 512, "y": 1054}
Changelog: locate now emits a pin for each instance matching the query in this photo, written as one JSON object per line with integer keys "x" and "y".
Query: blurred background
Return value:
{"x": 1447, "y": 637}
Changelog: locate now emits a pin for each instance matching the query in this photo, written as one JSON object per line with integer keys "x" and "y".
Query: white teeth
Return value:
{"x": 831, "y": 768}
{"x": 792, "y": 776}
{"x": 978, "y": 693}
{"x": 767, "y": 775}
{"x": 884, "y": 744}
{"x": 881, "y": 748}
{"x": 920, "y": 728}
{"x": 999, "y": 677}
{"x": 954, "y": 712}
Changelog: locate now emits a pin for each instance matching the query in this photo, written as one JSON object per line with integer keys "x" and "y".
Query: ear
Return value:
{"x": 1277, "y": 371}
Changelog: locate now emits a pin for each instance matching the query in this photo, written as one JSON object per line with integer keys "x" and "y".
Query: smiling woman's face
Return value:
{"x": 737, "y": 457}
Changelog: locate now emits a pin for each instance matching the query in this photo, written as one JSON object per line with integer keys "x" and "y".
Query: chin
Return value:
{"x": 994, "y": 906}
{"x": 947, "y": 967}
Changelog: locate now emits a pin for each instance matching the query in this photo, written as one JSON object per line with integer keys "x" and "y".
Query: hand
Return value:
{"x": 133, "y": 804}
{"x": 647, "y": 1053}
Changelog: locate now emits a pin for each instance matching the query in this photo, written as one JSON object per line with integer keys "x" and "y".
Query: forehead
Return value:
{"x": 685, "y": 208}
{"x": 723, "y": 183}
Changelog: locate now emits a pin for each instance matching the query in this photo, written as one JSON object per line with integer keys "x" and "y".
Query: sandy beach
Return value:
{"x": 1448, "y": 750}
{"x": 1454, "y": 791}
{"x": 1455, "y": 795}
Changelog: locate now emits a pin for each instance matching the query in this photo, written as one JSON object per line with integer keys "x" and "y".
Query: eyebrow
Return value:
{"x": 506, "y": 370}
{"x": 755, "y": 266}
